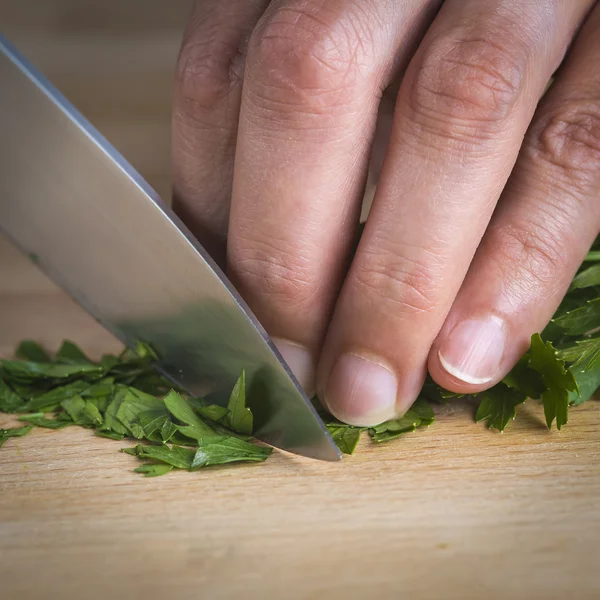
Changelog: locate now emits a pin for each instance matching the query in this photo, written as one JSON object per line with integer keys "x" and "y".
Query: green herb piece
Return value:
{"x": 217, "y": 450}
{"x": 83, "y": 412}
{"x": 157, "y": 426}
{"x": 580, "y": 320}
{"x": 239, "y": 417}
{"x": 13, "y": 432}
{"x": 100, "y": 389}
{"x": 111, "y": 421}
{"x": 226, "y": 449}
{"x": 176, "y": 456}
{"x": 40, "y": 420}
{"x": 587, "y": 278}
{"x": 524, "y": 379}
{"x": 345, "y": 437}
{"x": 100, "y": 394}
{"x": 423, "y": 410}
{"x": 109, "y": 361}
{"x": 10, "y": 401}
{"x": 140, "y": 350}
{"x": 70, "y": 353}
{"x": 111, "y": 435}
{"x": 212, "y": 412}
{"x": 584, "y": 353}
{"x": 51, "y": 400}
{"x": 498, "y": 405}
{"x": 587, "y": 381}
{"x": 152, "y": 383}
{"x": 396, "y": 427}
{"x": 32, "y": 371}
{"x": 558, "y": 380}
{"x": 592, "y": 256}
{"x": 133, "y": 403}
{"x": 193, "y": 425}
{"x": 154, "y": 470}
{"x": 32, "y": 351}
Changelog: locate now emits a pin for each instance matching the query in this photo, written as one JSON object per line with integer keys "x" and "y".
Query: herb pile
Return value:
{"x": 125, "y": 397}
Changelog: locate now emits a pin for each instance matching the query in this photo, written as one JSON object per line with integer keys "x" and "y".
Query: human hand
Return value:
{"x": 487, "y": 200}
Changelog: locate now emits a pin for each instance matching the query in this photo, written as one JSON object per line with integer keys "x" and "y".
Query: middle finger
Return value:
{"x": 314, "y": 77}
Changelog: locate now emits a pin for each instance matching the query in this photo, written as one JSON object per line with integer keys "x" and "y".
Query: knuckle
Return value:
{"x": 531, "y": 255}
{"x": 476, "y": 82}
{"x": 274, "y": 269}
{"x": 207, "y": 70}
{"x": 400, "y": 286}
{"x": 569, "y": 141}
{"x": 303, "y": 55}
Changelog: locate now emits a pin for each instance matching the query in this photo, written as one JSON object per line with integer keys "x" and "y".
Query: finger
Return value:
{"x": 205, "y": 114}
{"x": 547, "y": 219}
{"x": 314, "y": 77}
{"x": 462, "y": 110}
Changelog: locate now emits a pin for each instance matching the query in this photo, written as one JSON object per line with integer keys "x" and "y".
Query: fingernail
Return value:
{"x": 301, "y": 363}
{"x": 361, "y": 392}
{"x": 473, "y": 350}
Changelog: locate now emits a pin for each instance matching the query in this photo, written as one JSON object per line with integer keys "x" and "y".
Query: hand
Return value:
{"x": 487, "y": 200}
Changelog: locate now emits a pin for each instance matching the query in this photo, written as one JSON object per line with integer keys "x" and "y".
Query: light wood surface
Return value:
{"x": 452, "y": 512}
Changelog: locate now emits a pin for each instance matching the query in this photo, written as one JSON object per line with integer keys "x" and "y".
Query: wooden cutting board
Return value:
{"x": 452, "y": 512}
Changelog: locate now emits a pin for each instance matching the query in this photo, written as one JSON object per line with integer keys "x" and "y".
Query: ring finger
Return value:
{"x": 547, "y": 219}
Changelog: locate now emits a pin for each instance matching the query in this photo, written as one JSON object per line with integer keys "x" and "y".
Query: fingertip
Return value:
{"x": 470, "y": 356}
{"x": 363, "y": 391}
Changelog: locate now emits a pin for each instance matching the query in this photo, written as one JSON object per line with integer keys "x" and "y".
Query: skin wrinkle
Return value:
{"x": 361, "y": 38}
{"x": 286, "y": 56}
{"x": 570, "y": 141}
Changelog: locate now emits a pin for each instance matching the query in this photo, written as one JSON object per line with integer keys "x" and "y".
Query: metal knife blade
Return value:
{"x": 69, "y": 198}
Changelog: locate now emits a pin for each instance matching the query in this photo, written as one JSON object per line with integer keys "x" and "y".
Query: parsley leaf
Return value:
{"x": 346, "y": 437}
{"x": 176, "y": 456}
{"x": 423, "y": 410}
{"x": 70, "y": 353}
{"x": 225, "y": 449}
{"x": 28, "y": 372}
{"x": 40, "y": 420}
{"x": 152, "y": 470}
{"x": 193, "y": 426}
{"x": 587, "y": 278}
{"x": 13, "y": 432}
{"x": 584, "y": 353}
{"x": 498, "y": 406}
{"x": 239, "y": 417}
{"x": 558, "y": 380}
{"x": 9, "y": 400}
{"x": 132, "y": 404}
{"x": 587, "y": 381}
{"x": 32, "y": 351}
{"x": 111, "y": 421}
{"x": 580, "y": 320}
{"x": 83, "y": 412}
{"x": 396, "y": 427}
{"x": 51, "y": 400}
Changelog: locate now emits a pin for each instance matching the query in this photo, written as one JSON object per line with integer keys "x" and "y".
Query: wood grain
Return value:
{"x": 452, "y": 512}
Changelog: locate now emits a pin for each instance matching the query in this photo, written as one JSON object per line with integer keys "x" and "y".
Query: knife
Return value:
{"x": 74, "y": 204}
